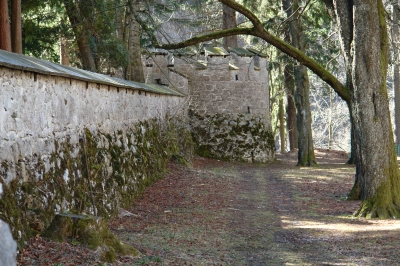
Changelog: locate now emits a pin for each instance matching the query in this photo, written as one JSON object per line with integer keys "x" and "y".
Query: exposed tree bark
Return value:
{"x": 396, "y": 75}
{"x": 64, "y": 55}
{"x": 79, "y": 27}
{"x": 16, "y": 27}
{"x": 5, "y": 33}
{"x": 282, "y": 125}
{"x": 291, "y": 122}
{"x": 306, "y": 155}
{"x": 135, "y": 67}
{"x": 290, "y": 89}
{"x": 353, "y": 152}
{"x": 228, "y": 22}
{"x": 119, "y": 14}
{"x": 330, "y": 123}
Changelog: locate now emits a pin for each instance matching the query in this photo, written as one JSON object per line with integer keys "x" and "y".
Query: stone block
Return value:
{"x": 8, "y": 247}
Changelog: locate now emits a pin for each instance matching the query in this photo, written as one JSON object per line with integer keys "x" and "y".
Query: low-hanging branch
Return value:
{"x": 207, "y": 37}
{"x": 259, "y": 31}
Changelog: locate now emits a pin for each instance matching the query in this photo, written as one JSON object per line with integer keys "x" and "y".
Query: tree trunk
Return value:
{"x": 16, "y": 28}
{"x": 341, "y": 12}
{"x": 119, "y": 24}
{"x": 282, "y": 125}
{"x": 330, "y": 124}
{"x": 353, "y": 151}
{"x": 5, "y": 33}
{"x": 396, "y": 76}
{"x": 64, "y": 55}
{"x": 306, "y": 156}
{"x": 291, "y": 122}
{"x": 377, "y": 167}
{"x": 289, "y": 89}
{"x": 228, "y": 22}
{"x": 79, "y": 26}
{"x": 135, "y": 67}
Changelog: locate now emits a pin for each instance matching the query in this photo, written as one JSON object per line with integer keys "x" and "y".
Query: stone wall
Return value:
{"x": 70, "y": 145}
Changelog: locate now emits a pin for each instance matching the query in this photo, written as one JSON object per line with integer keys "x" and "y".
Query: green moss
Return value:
{"x": 109, "y": 256}
{"x": 103, "y": 173}
{"x": 385, "y": 202}
{"x": 213, "y": 139}
{"x": 90, "y": 231}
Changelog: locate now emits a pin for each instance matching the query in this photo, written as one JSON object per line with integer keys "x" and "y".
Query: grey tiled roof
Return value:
{"x": 22, "y": 62}
{"x": 240, "y": 51}
{"x": 219, "y": 51}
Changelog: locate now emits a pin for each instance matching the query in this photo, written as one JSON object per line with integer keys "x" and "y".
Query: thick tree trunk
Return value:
{"x": 396, "y": 87}
{"x": 135, "y": 67}
{"x": 5, "y": 33}
{"x": 79, "y": 26}
{"x": 228, "y": 22}
{"x": 306, "y": 156}
{"x": 396, "y": 75}
{"x": 16, "y": 28}
{"x": 377, "y": 167}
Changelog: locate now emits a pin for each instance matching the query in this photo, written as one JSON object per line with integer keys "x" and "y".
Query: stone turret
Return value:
{"x": 229, "y": 101}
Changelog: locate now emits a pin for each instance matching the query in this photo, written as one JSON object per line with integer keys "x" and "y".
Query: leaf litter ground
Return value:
{"x": 222, "y": 213}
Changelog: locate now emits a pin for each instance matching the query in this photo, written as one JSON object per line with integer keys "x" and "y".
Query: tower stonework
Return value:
{"x": 228, "y": 102}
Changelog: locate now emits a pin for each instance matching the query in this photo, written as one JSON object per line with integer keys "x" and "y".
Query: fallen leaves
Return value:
{"x": 220, "y": 213}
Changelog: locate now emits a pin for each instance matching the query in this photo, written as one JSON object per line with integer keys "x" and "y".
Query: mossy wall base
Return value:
{"x": 235, "y": 137}
{"x": 95, "y": 175}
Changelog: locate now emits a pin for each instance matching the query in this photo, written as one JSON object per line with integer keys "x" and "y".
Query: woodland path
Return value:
{"x": 221, "y": 213}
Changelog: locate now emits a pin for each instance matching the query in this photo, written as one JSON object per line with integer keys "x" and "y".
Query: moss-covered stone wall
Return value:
{"x": 95, "y": 176}
{"x": 70, "y": 145}
{"x": 234, "y": 137}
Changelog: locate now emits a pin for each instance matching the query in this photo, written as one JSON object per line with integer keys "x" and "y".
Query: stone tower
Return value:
{"x": 228, "y": 99}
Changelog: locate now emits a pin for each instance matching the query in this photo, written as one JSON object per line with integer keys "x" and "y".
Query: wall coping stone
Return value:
{"x": 27, "y": 63}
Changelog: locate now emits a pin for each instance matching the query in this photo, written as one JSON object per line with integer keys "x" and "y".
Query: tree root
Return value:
{"x": 372, "y": 210}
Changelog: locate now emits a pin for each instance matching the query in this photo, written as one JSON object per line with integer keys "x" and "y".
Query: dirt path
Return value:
{"x": 220, "y": 213}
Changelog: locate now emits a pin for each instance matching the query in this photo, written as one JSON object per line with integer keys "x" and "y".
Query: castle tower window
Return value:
{"x": 236, "y": 77}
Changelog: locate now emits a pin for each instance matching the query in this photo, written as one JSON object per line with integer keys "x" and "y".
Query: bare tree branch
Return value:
{"x": 207, "y": 37}
{"x": 259, "y": 31}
